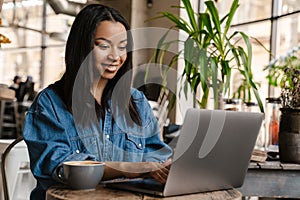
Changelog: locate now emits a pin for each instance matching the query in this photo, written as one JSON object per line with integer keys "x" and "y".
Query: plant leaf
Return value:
{"x": 214, "y": 14}
{"x": 249, "y": 49}
{"x": 178, "y": 21}
{"x": 190, "y": 11}
{"x": 214, "y": 69}
{"x": 231, "y": 13}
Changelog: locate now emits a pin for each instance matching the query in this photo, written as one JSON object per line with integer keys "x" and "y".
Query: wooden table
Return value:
{"x": 272, "y": 179}
{"x": 101, "y": 193}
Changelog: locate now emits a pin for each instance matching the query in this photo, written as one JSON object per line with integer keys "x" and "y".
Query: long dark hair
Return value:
{"x": 79, "y": 46}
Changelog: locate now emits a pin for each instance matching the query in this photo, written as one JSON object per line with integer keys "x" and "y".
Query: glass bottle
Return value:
{"x": 272, "y": 124}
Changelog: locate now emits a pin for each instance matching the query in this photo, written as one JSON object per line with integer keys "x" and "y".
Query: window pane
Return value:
{"x": 289, "y": 33}
{"x": 24, "y": 22}
{"x": 289, "y": 6}
{"x": 260, "y": 57}
{"x": 20, "y": 62}
{"x": 54, "y": 64}
{"x": 288, "y": 37}
{"x": 58, "y": 27}
{"x": 248, "y": 10}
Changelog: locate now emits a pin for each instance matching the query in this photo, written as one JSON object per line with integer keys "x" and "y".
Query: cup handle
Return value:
{"x": 61, "y": 176}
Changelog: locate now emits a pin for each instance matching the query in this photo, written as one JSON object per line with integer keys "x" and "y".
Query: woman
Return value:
{"x": 16, "y": 85}
{"x": 91, "y": 113}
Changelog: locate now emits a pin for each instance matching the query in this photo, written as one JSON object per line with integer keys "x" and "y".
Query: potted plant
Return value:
{"x": 285, "y": 73}
{"x": 211, "y": 53}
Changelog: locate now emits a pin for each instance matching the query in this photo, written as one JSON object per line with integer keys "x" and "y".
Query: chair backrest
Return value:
{"x": 14, "y": 156}
{"x": 10, "y": 123}
{"x": 7, "y": 103}
{"x": 160, "y": 109}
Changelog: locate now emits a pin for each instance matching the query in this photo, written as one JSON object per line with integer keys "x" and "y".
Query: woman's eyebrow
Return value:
{"x": 109, "y": 41}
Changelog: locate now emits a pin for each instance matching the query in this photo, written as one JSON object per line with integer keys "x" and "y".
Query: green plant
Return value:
{"x": 211, "y": 53}
{"x": 284, "y": 72}
{"x": 244, "y": 91}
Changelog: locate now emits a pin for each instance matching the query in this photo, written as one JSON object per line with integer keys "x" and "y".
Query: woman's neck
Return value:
{"x": 98, "y": 89}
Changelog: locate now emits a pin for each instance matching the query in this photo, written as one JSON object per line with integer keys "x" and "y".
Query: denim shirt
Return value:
{"x": 52, "y": 137}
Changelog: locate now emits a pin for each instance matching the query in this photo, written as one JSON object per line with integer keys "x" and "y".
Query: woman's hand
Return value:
{"x": 161, "y": 173}
{"x": 155, "y": 170}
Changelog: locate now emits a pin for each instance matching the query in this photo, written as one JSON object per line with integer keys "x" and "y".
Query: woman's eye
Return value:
{"x": 122, "y": 48}
{"x": 103, "y": 46}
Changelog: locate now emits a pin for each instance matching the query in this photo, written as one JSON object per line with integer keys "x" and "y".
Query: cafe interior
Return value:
{"x": 33, "y": 35}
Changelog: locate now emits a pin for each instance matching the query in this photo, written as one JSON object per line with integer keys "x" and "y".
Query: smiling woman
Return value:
{"x": 111, "y": 52}
{"x": 77, "y": 118}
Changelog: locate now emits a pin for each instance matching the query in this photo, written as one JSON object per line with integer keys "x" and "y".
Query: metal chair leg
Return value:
{"x": 3, "y": 160}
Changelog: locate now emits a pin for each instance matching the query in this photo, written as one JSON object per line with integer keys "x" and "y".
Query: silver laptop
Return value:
{"x": 212, "y": 153}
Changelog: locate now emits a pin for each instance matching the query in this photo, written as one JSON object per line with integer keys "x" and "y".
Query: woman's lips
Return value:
{"x": 110, "y": 68}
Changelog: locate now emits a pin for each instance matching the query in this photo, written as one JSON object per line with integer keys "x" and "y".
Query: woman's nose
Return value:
{"x": 114, "y": 55}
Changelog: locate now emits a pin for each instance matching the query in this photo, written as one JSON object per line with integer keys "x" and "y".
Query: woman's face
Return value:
{"x": 110, "y": 48}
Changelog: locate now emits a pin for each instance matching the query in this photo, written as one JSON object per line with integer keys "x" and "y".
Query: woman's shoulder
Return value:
{"x": 137, "y": 94}
{"x": 46, "y": 94}
{"x": 140, "y": 100}
{"x": 46, "y": 98}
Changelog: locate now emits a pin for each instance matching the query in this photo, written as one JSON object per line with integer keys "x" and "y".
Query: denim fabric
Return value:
{"x": 53, "y": 137}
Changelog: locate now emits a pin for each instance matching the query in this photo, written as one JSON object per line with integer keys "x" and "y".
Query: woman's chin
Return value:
{"x": 108, "y": 76}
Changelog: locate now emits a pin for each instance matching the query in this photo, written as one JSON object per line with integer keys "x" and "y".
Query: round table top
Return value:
{"x": 101, "y": 193}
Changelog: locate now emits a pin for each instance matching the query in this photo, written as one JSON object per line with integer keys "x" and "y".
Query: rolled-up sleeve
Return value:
{"x": 50, "y": 140}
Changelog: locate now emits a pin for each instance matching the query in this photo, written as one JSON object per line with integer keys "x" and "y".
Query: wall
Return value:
{"x": 147, "y": 33}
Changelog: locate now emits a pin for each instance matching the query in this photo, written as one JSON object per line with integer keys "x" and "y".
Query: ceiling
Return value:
{"x": 22, "y": 11}
{"x": 72, "y": 7}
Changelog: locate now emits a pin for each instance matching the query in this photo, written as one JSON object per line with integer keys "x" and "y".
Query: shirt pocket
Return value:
{"x": 134, "y": 148}
{"x": 134, "y": 143}
{"x": 88, "y": 144}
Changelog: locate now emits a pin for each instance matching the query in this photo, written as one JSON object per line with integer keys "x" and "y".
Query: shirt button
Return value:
{"x": 77, "y": 151}
{"x": 108, "y": 109}
{"x": 107, "y": 136}
{"x": 140, "y": 145}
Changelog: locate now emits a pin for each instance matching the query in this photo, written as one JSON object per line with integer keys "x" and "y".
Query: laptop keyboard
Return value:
{"x": 148, "y": 184}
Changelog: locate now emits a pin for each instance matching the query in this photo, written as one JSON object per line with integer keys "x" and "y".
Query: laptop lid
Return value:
{"x": 213, "y": 151}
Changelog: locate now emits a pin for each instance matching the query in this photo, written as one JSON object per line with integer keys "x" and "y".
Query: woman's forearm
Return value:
{"x": 125, "y": 169}
{"x": 113, "y": 170}
{"x": 136, "y": 169}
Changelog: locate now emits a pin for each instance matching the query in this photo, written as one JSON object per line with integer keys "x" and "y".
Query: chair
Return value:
{"x": 14, "y": 167}
{"x": 8, "y": 113}
{"x": 160, "y": 109}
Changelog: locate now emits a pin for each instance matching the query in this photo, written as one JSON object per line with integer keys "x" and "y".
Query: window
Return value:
{"x": 277, "y": 29}
{"x": 37, "y": 45}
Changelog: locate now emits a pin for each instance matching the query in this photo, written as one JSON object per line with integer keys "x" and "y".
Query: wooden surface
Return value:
{"x": 7, "y": 94}
{"x": 259, "y": 155}
{"x": 272, "y": 179}
{"x": 101, "y": 193}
